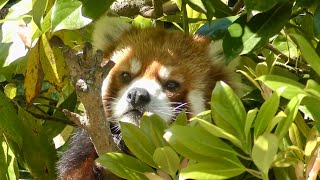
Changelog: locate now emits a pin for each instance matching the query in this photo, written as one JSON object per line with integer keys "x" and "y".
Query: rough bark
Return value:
{"x": 87, "y": 76}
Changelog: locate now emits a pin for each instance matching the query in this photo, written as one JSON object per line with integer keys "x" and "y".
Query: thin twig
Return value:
{"x": 284, "y": 57}
{"x": 50, "y": 118}
{"x": 237, "y": 7}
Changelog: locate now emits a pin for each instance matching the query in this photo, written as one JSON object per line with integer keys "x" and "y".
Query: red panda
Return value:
{"x": 156, "y": 70}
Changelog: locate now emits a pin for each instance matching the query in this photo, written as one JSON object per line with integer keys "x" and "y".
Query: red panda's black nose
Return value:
{"x": 138, "y": 97}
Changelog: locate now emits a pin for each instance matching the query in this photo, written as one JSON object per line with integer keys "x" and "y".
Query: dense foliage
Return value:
{"x": 269, "y": 131}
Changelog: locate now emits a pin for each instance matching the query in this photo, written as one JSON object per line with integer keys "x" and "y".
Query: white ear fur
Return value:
{"x": 107, "y": 30}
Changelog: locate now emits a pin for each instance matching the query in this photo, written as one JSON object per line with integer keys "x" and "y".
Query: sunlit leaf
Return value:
{"x": 216, "y": 169}
{"x": 217, "y": 131}
{"x": 228, "y": 105}
{"x": 154, "y": 127}
{"x": 263, "y": 152}
{"x": 10, "y": 90}
{"x": 3, "y": 3}
{"x": 290, "y": 88}
{"x": 167, "y": 160}
{"x": 251, "y": 115}
{"x": 138, "y": 143}
{"x": 243, "y": 36}
{"x": 198, "y": 145}
{"x": 295, "y": 136}
{"x": 94, "y": 9}
{"x": 310, "y": 102}
{"x": 212, "y": 8}
{"x": 275, "y": 120}
{"x": 38, "y": 9}
{"x": 125, "y": 166}
{"x": 205, "y": 115}
{"x": 308, "y": 52}
{"x": 313, "y": 88}
{"x": 8, "y": 163}
{"x": 67, "y": 14}
{"x": 291, "y": 112}
{"x": 181, "y": 119}
{"x": 266, "y": 113}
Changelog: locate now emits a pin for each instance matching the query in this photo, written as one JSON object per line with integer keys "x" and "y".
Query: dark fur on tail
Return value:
{"x": 78, "y": 161}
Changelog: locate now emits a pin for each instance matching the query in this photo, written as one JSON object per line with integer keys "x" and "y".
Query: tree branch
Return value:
{"x": 87, "y": 75}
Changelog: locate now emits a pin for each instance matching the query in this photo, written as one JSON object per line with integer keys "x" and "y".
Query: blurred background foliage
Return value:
{"x": 270, "y": 131}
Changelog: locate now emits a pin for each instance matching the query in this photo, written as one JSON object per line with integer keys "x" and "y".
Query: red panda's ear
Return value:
{"x": 107, "y": 30}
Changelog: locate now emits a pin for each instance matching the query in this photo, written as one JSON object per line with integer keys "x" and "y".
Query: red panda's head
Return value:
{"x": 156, "y": 70}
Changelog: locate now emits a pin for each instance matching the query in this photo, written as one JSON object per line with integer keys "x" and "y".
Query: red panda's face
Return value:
{"x": 161, "y": 72}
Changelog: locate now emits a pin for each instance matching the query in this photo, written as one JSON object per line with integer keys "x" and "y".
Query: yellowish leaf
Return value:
{"x": 10, "y": 90}
{"x": 33, "y": 75}
{"x": 52, "y": 63}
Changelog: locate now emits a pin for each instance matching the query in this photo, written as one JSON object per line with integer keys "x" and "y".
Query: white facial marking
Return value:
{"x": 135, "y": 66}
{"x": 105, "y": 85}
{"x": 120, "y": 54}
{"x": 159, "y": 103}
{"x": 164, "y": 72}
{"x": 196, "y": 100}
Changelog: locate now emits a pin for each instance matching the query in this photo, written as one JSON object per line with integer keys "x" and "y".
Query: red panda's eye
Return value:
{"x": 125, "y": 77}
{"x": 171, "y": 85}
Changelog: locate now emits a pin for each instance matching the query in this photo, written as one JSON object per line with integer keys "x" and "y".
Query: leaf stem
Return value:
{"x": 255, "y": 173}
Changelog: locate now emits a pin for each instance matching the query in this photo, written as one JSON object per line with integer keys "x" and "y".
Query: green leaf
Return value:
{"x": 316, "y": 23}
{"x": 167, "y": 160}
{"x": 255, "y": 7}
{"x": 308, "y": 52}
{"x": 302, "y": 124}
{"x": 289, "y": 87}
{"x": 251, "y": 115}
{"x": 181, "y": 119}
{"x": 295, "y": 136}
{"x": 229, "y": 107}
{"x": 38, "y": 9}
{"x": 33, "y": 138}
{"x": 205, "y": 115}
{"x": 8, "y": 163}
{"x": 94, "y": 9}
{"x": 266, "y": 114}
{"x": 138, "y": 143}
{"x": 310, "y": 102}
{"x": 278, "y": 118}
{"x": 313, "y": 88}
{"x": 291, "y": 112}
{"x": 198, "y": 145}
{"x": 217, "y": 131}
{"x": 154, "y": 128}
{"x": 10, "y": 124}
{"x": 217, "y": 169}
{"x": 67, "y": 14}
{"x": 243, "y": 37}
{"x": 3, "y": 3}
{"x": 212, "y": 8}
{"x": 124, "y": 166}
{"x": 262, "y": 69}
{"x": 263, "y": 152}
